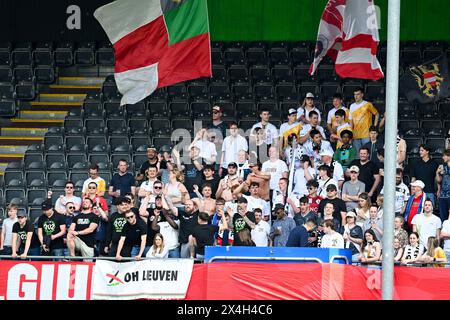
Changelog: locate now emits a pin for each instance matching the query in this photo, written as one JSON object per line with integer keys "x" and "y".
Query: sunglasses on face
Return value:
{"x": 20, "y": 217}
{"x": 92, "y": 187}
{"x": 129, "y": 217}
{"x": 70, "y": 208}
{"x": 157, "y": 187}
{"x": 69, "y": 187}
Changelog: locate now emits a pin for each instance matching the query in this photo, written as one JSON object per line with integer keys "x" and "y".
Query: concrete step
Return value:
{"x": 6, "y": 158}
{"x": 36, "y": 123}
{"x": 20, "y": 140}
{"x": 80, "y": 81}
{"x": 56, "y": 104}
{"x": 20, "y": 132}
{"x": 61, "y": 97}
{"x": 42, "y": 114}
{"x": 6, "y": 149}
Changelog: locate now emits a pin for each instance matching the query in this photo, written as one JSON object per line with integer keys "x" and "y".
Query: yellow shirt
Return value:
{"x": 287, "y": 129}
{"x": 439, "y": 253}
{"x": 361, "y": 115}
{"x": 332, "y": 117}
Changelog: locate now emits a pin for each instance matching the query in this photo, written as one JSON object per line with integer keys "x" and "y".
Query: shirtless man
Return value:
{"x": 259, "y": 177}
{"x": 231, "y": 179}
{"x": 204, "y": 202}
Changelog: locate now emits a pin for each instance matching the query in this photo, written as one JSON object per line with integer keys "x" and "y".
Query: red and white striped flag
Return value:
{"x": 348, "y": 33}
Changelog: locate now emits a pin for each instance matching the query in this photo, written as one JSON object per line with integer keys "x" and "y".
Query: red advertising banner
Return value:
{"x": 45, "y": 280}
{"x": 234, "y": 281}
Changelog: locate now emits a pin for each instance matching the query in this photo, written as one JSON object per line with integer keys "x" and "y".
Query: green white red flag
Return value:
{"x": 157, "y": 43}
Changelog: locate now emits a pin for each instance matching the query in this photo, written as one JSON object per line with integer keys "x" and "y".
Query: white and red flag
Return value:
{"x": 348, "y": 33}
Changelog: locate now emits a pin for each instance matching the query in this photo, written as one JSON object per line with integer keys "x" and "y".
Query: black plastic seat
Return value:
{"x": 43, "y": 57}
{"x": 36, "y": 197}
{"x": 97, "y": 145}
{"x": 76, "y": 161}
{"x": 15, "y": 196}
{"x": 138, "y": 126}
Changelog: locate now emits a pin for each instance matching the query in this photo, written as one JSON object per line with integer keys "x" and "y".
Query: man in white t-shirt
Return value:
{"x": 94, "y": 177}
{"x": 336, "y": 167}
{"x": 427, "y": 224}
{"x": 445, "y": 235}
{"x": 401, "y": 192}
{"x": 255, "y": 201}
{"x": 332, "y": 124}
{"x": 331, "y": 239}
{"x": 231, "y": 146}
{"x": 314, "y": 124}
{"x": 275, "y": 167}
{"x": 6, "y": 235}
{"x": 207, "y": 148}
{"x": 260, "y": 234}
{"x": 60, "y": 205}
{"x": 314, "y": 147}
{"x": 270, "y": 131}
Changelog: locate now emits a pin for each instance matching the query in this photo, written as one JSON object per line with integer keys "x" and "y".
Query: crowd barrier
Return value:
{"x": 49, "y": 280}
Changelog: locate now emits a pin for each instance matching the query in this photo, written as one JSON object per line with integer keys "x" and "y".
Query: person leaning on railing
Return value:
{"x": 434, "y": 253}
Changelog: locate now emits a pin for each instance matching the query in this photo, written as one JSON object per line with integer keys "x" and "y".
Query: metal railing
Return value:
{"x": 70, "y": 258}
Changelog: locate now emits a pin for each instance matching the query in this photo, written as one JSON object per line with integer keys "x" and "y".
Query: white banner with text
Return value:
{"x": 147, "y": 279}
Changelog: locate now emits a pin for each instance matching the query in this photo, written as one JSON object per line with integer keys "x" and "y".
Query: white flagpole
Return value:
{"x": 393, "y": 49}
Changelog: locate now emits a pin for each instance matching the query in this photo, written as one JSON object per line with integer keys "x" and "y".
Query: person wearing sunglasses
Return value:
{"x": 71, "y": 212}
{"x": 100, "y": 208}
{"x": 133, "y": 238}
{"x": 81, "y": 235}
{"x": 61, "y": 202}
{"x": 23, "y": 233}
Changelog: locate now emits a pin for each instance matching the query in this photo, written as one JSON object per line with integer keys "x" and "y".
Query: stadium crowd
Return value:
{"x": 300, "y": 185}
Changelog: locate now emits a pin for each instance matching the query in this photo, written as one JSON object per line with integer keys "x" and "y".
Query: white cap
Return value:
{"x": 292, "y": 111}
{"x": 326, "y": 152}
{"x": 354, "y": 168}
{"x": 418, "y": 183}
{"x": 309, "y": 95}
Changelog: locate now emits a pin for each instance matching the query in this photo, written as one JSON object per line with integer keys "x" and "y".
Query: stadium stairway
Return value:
{"x": 34, "y": 118}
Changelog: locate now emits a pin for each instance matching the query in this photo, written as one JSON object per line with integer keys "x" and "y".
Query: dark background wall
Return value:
{"x": 40, "y": 20}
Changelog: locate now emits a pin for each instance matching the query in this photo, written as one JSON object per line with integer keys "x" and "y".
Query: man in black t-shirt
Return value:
{"x": 340, "y": 209}
{"x": 23, "y": 231}
{"x": 242, "y": 220}
{"x": 152, "y": 161}
{"x": 81, "y": 236}
{"x": 133, "y": 239}
{"x": 188, "y": 222}
{"x": 51, "y": 230}
{"x": 369, "y": 173}
{"x": 115, "y": 225}
{"x": 209, "y": 175}
{"x": 203, "y": 235}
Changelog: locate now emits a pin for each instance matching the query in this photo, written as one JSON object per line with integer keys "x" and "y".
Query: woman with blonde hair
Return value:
{"x": 175, "y": 189}
{"x": 362, "y": 212}
{"x": 434, "y": 253}
{"x": 158, "y": 249}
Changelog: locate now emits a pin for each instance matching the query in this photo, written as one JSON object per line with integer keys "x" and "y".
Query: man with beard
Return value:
{"x": 51, "y": 230}
{"x": 115, "y": 226}
{"x": 81, "y": 236}
{"x": 204, "y": 201}
{"x": 230, "y": 180}
{"x": 188, "y": 221}
{"x": 153, "y": 161}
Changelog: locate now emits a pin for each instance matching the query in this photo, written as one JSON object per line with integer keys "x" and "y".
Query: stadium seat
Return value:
{"x": 119, "y": 145}
{"x": 138, "y": 126}
{"x": 140, "y": 143}
{"x": 160, "y": 127}
{"x": 15, "y": 196}
{"x": 158, "y": 109}
{"x": 299, "y": 56}
{"x": 55, "y": 162}
{"x": 76, "y": 161}
{"x": 278, "y": 55}
{"x": 179, "y": 109}
{"x": 5, "y": 58}
{"x": 25, "y": 91}
{"x": 44, "y": 74}
{"x": 138, "y": 110}
{"x": 13, "y": 179}
{"x": 6, "y": 74}
{"x": 63, "y": 57}
{"x": 234, "y": 56}
{"x": 7, "y": 91}
{"x": 56, "y": 179}
{"x": 97, "y": 145}
{"x": 35, "y": 180}
{"x": 256, "y": 56}
{"x": 43, "y": 57}
{"x": 78, "y": 178}
{"x": 219, "y": 89}
{"x": 53, "y": 144}
{"x": 105, "y": 57}
{"x": 22, "y": 57}
{"x": 36, "y": 197}
{"x": 238, "y": 73}
{"x": 95, "y": 127}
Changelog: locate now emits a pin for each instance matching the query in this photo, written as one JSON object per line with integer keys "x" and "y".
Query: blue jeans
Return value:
{"x": 146, "y": 250}
{"x": 444, "y": 207}
{"x": 358, "y": 143}
{"x": 135, "y": 251}
{"x": 432, "y": 197}
{"x": 57, "y": 253}
{"x": 174, "y": 253}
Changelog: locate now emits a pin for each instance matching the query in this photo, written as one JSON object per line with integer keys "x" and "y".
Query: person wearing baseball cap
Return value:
{"x": 353, "y": 235}
{"x": 338, "y": 172}
{"x": 23, "y": 231}
{"x": 289, "y": 128}
{"x": 352, "y": 188}
{"x": 218, "y": 126}
{"x": 415, "y": 204}
{"x": 306, "y": 108}
{"x": 51, "y": 230}
{"x": 153, "y": 161}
